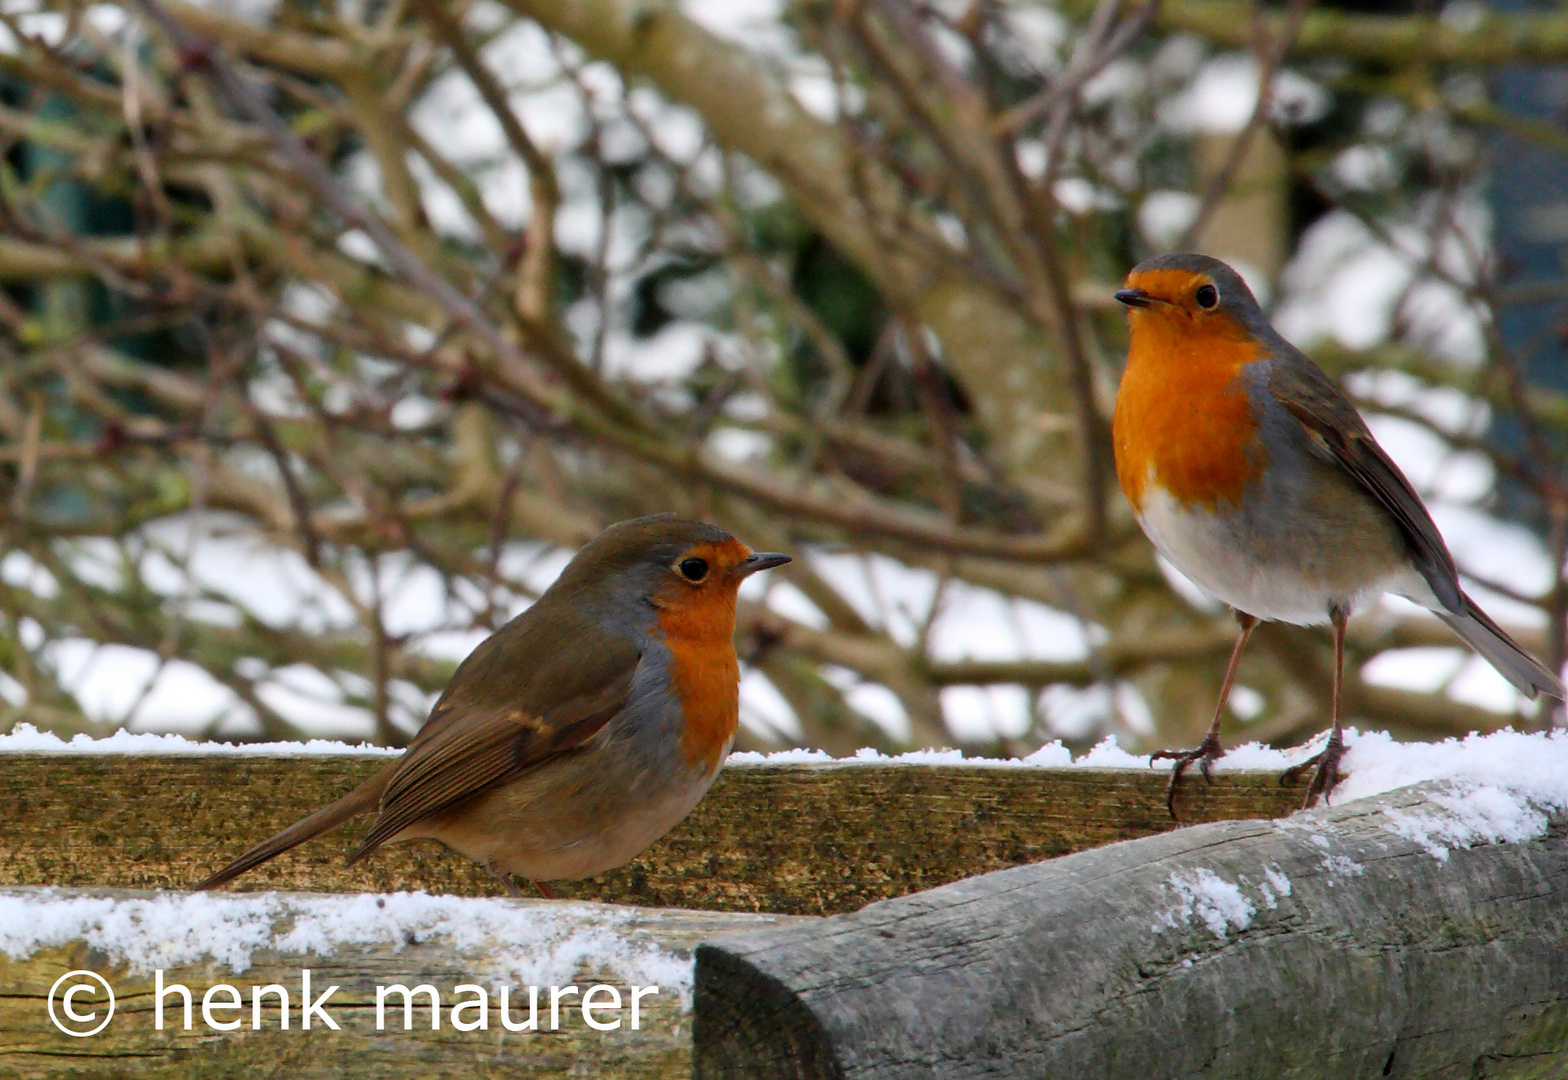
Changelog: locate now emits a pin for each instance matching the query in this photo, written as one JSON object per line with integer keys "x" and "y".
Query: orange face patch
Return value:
{"x": 698, "y": 620}
{"x": 1183, "y": 419}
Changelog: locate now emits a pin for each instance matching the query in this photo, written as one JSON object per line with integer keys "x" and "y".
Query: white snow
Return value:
{"x": 1076, "y": 711}
{"x": 1275, "y": 886}
{"x": 1478, "y": 815}
{"x": 1164, "y": 215}
{"x": 532, "y": 943}
{"x": 26, "y": 739}
{"x": 1341, "y": 866}
{"x": 1498, "y": 788}
{"x": 974, "y": 712}
{"x": 763, "y": 709}
{"x": 881, "y": 706}
{"x": 972, "y": 623}
{"x": 1107, "y": 754}
{"x": 1203, "y": 894}
{"x": 1225, "y": 92}
{"x": 1351, "y": 284}
{"x": 797, "y": 756}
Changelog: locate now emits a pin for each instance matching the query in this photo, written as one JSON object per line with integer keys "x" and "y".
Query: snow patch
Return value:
{"x": 797, "y": 756}
{"x": 534, "y": 944}
{"x": 1053, "y": 755}
{"x": 1341, "y": 866}
{"x": 1465, "y": 818}
{"x": 1498, "y": 788}
{"x": 27, "y": 739}
{"x": 1107, "y": 754}
{"x": 1203, "y": 894}
{"x": 1275, "y": 887}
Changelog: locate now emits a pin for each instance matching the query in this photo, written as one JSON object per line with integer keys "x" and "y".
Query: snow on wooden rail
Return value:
{"x": 327, "y": 986}
{"x": 797, "y": 835}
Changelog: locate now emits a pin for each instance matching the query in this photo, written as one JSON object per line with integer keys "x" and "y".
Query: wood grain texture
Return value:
{"x": 796, "y": 839}
{"x": 1379, "y": 960}
{"x": 130, "y": 1045}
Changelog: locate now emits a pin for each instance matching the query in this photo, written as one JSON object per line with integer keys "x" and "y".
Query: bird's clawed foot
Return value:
{"x": 1325, "y": 776}
{"x": 1204, "y": 755}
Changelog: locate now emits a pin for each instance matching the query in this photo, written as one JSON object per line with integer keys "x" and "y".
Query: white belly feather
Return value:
{"x": 1252, "y": 572}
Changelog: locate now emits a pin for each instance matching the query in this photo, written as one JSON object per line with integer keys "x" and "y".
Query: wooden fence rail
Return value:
{"x": 1342, "y": 943}
{"x": 802, "y": 839}
{"x": 794, "y": 839}
{"x": 1328, "y": 945}
{"x": 363, "y": 1045}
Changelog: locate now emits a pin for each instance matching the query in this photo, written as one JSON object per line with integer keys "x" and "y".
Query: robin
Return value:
{"x": 581, "y": 731}
{"x": 1254, "y": 475}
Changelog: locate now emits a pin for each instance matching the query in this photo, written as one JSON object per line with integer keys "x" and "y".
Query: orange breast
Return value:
{"x": 699, "y": 629}
{"x": 1182, "y": 415}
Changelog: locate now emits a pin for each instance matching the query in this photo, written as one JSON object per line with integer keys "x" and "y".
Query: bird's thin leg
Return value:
{"x": 1209, "y": 749}
{"x": 1326, "y": 775}
{"x": 544, "y": 890}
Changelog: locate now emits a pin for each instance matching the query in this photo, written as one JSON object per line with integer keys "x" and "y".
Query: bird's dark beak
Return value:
{"x": 1134, "y": 297}
{"x": 760, "y": 560}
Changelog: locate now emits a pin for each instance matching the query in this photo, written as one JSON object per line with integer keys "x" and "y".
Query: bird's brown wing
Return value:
{"x": 477, "y": 739}
{"x": 1332, "y": 422}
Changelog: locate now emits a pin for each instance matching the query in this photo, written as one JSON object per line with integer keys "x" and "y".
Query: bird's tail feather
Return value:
{"x": 364, "y": 799}
{"x": 1483, "y": 635}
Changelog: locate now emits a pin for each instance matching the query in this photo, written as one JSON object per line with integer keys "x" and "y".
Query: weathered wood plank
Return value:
{"x": 1331, "y": 945}
{"x": 799, "y": 839}
{"x": 660, "y": 1048}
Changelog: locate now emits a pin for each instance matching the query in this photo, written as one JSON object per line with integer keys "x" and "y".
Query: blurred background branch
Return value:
{"x": 328, "y": 332}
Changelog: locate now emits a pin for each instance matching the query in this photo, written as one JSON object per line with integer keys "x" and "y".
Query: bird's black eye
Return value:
{"x": 1206, "y": 296}
{"x": 694, "y": 569}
